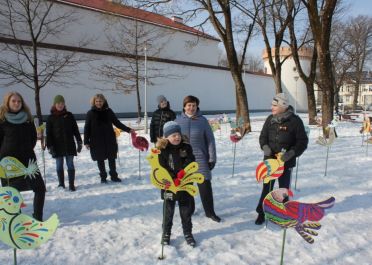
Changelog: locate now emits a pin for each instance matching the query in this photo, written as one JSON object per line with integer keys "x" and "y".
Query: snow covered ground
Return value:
{"x": 121, "y": 223}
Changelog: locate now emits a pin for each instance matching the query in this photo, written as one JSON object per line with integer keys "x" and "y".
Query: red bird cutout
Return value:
{"x": 139, "y": 142}
{"x": 235, "y": 136}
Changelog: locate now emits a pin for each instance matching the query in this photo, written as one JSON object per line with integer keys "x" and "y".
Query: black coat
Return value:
{"x": 61, "y": 128}
{"x": 173, "y": 159}
{"x": 99, "y": 133}
{"x": 159, "y": 117}
{"x": 19, "y": 140}
{"x": 288, "y": 133}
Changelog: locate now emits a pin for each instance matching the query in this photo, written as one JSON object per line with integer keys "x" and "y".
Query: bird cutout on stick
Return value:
{"x": 303, "y": 217}
{"x": 10, "y": 167}
{"x": 161, "y": 178}
{"x": 270, "y": 169}
{"x": 19, "y": 230}
{"x": 236, "y": 128}
{"x": 215, "y": 124}
{"x": 327, "y": 141}
{"x": 40, "y": 131}
{"x": 139, "y": 142}
{"x": 366, "y": 128}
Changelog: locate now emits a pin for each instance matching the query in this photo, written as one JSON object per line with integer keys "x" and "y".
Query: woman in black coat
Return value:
{"x": 99, "y": 136}
{"x": 159, "y": 117}
{"x": 17, "y": 139}
{"x": 282, "y": 130}
{"x": 62, "y": 130}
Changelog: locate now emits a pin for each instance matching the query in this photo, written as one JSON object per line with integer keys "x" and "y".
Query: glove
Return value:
{"x": 267, "y": 150}
{"x": 211, "y": 165}
{"x": 288, "y": 155}
{"x": 79, "y": 147}
{"x": 51, "y": 151}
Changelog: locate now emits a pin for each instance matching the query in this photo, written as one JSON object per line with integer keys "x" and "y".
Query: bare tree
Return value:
{"x": 273, "y": 19}
{"x": 132, "y": 39}
{"x": 25, "y": 25}
{"x": 253, "y": 63}
{"x": 320, "y": 18}
{"x": 221, "y": 15}
{"x": 307, "y": 43}
{"x": 359, "y": 36}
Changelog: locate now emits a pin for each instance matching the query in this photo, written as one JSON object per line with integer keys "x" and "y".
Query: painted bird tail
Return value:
{"x": 326, "y": 204}
{"x": 306, "y": 230}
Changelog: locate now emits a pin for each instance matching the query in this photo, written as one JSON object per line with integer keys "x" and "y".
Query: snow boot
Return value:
{"x": 190, "y": 240}
{"x": 165, "y": 239}
{"x": 71, "y": 180}
{"x": 260, "y": 219}
{"x": 61, "y": 179}
{"x": 103, "y": 177}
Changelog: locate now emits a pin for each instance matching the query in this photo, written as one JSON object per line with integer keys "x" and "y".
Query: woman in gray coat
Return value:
{"x": 196, "y": 127}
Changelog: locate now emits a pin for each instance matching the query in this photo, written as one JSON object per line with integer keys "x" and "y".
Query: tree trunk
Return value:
{"x": 311, "y": 103}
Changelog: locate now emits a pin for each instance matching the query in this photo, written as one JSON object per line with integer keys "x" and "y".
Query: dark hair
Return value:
{"x": 191, "y": 99}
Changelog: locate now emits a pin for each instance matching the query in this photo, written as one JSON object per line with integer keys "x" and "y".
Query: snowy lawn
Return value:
{"x": 121, "y": 223}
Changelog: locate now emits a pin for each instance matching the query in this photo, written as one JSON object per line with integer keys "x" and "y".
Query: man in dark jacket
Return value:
{"x": 283, "y": 130}
{"x": 159, "y": 117}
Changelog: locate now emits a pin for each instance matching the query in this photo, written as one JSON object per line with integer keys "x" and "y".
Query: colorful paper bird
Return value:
{"x": 303, "y": 217}
{"x": 366, "y": 128}
{"x": 139, "y": 142}
{"x": 161, "y": 178}
{"x": 324, "y": 141}
{"x": 10, "y": 167}
{"x": 270, "y": 169}
{"x": 19, "y": 230}
{"x": 215, "y": 125}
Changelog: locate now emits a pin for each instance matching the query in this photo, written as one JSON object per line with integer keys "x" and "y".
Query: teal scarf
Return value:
{"x": 16, "y": 118}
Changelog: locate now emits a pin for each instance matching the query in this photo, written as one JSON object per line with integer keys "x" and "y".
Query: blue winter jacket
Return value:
{"x": 201, "y": 138}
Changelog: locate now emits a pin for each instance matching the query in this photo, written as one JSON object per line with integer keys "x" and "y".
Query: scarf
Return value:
{"x": 16, "y": 118}
{"x": 279, "y": 118}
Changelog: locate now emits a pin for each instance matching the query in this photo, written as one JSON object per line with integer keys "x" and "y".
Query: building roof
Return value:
{"x": 107, "y": 6}
{"x": 366, "y": 77}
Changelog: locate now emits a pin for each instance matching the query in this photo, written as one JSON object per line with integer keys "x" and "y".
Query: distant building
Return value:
{"x": 365, "y": 90}
{"x": 189, "y": 54}
{"x": 292, "y": 84}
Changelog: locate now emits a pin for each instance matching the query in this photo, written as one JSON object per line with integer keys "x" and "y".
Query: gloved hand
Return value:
{"x": 288, "y": 155}
{"x": 79, "y": 147}
{"x": 267, "y": 150}
{"x": 211, "y": 165}
{"x": 51, "y": 151}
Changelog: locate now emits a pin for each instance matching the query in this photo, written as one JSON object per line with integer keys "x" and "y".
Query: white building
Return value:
{"x": 189, "y": 54}
{"x": 292, "y": 85}
{"x": 365, "y": 91}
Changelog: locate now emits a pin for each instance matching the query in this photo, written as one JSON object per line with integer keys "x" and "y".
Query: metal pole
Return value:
{"x": 296, "y": 78}
{"x": 145, "y": 115}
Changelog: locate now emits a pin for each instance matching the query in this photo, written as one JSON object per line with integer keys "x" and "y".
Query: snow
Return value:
{"x": 120, "y": 223}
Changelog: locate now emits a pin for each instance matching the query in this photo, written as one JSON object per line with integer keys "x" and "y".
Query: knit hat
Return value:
{"x": 171, "y": 127}
{"x": 58, "y": 99}
{"x": 280, "y": 100}
{"x": 161, "y": 98}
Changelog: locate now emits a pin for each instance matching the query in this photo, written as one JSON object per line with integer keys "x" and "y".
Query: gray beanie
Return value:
{"x": 171, "y": 127}
{"x": 280, "y": 100}
{"x": 161, "y": 98}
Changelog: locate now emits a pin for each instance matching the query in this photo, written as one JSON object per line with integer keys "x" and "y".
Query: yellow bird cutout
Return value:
{"x": 366, "y": 128}
{"x": 270, "y": 169}
{"x": 10, "y": 167}
{"x": 161, "y": 178}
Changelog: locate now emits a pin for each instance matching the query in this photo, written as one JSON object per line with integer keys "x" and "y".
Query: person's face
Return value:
{"x": 163, "y": 104}
{"x": 276, "y": 109}
{"x": 15, "y": 103}
{"x": 190, "y": 108}
{"x": 175, "y": 138}
{"x": 98, "y": 102}
{"x": 60, "y": 106}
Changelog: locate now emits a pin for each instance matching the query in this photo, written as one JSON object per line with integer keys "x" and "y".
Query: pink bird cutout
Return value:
{"x": 139, "y": 142}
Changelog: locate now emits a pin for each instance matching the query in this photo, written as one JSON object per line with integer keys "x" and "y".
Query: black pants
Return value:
{"x": 186, "y": 210}
{"x": 206, "y": 196}
{"x": 284, "y": 182}
{"x": 102, "y": 168}
{"x": 36, "y": 185}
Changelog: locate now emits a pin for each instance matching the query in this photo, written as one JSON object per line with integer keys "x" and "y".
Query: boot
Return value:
{"x": 165, "y": 239}
{"x": 190, "y": 239}
{"x": 114, "y": 177}
{"x": 260, "y": 219}
{"x": 71, "y": 180}
{"x": 61, "y": 179}
{"x": 103, "y": 177}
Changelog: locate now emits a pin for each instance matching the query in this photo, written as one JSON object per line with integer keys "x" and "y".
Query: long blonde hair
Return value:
{"x": 98, "y": 96}
{"x": 4, "y": 108}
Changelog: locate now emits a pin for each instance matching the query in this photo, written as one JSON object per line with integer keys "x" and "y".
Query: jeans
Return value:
{"x": 69, "y": 162}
